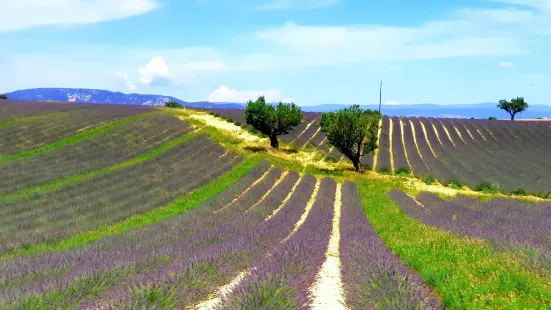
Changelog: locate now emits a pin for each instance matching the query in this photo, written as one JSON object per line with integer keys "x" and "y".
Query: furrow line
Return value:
{"x": 306, "y": 211}
{"x": 327, "y": 291}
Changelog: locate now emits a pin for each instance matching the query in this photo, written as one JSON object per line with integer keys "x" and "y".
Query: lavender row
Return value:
{"x": 371, "y": 273}
{"x": 417, "y": 164}
{"x": 383, "y": 158}
{"x": 309, "y": 133}
{"x": 57, "y": 218}
{"x": 283, "y": 280}
{"x": 250, "y": 238}
{"x": 400, "y": 160}
{"x": 475, "y": 153}
{"x": 13, "y": 109}
{"x": 505, "y": 231}
{"x": 155, "y": 235}
{"x": 159, "y": 245}
{"x": 31, "y": 134}
{"x": 437, "y": 165}
{"x": 115, "y": 146}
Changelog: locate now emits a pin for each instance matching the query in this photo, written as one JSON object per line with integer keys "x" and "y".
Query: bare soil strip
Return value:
{"x": 390, "y": 132}
{"x": 327, "y": 291}
{"x": 404, "y": 146}
{"x": 417, "y": 145}
{"x": 306, "y": 211}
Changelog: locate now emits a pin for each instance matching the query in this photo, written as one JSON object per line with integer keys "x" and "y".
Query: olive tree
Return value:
{"x": 272, "y": 121}
{"x": 3, "y": 96}
{"x": 352, "y": 131}
{"x": 516, "y": 105}
{"x": 173, "y": 104}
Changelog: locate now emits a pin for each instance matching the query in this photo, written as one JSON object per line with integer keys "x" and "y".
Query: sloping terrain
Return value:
{"x": 177, "y": 209}
{"x": 501, "y": 155}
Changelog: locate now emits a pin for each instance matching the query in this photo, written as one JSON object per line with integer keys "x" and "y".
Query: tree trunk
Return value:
{"x": 512, "y": 117}
{"x": 358, "y": 165}
{"x": 273, "y": 142}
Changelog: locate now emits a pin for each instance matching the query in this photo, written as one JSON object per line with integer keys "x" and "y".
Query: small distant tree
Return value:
{"x": 3, "y": 96}
{"x": 516, "y": 105}
{"x": 272, "y": 121}
{"x": 173, "y": 104}
{"x": 352, "y": 131}
{"x": 492, "y": 118}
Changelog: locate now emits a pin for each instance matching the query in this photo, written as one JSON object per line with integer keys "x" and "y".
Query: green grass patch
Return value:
{"x": 77, "y": 177}
{"x": 466, "y": 272}
{"x": 87, "y": 134}
{"x": 180, "y": 205}
{"x": 402, "y": 171}
{"x": 488, "y": 188}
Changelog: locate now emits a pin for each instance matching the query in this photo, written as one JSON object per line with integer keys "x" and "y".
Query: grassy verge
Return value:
{"x": 180, "y": 205}
{"x": 75, "y": 178}
{"x": 87, "y": 134}
{"x": 465, "y": 271}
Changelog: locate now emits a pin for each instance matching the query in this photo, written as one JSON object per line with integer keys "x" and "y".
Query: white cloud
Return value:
{"x": 155, "y": 73}
{"x": 123, "y": 77}
{"x": 224, "y": 94}
{"x": 21, "y": 14}
{"x": 297, "y": 4}
{"x": 506, "y": 64}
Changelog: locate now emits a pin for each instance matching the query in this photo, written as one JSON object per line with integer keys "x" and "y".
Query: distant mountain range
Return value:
{"x": 82, "y": 95}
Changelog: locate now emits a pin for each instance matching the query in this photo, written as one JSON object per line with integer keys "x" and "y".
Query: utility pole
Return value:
{"x": 380, "y": 95}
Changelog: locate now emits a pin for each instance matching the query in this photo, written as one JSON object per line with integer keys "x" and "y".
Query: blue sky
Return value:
{"x": 306, "y": 51}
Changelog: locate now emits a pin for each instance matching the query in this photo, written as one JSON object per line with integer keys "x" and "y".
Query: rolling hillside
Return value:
{"x": 128, "y": 207}
{"x": 481, "y": 154}
{"x": 503, "y": 155}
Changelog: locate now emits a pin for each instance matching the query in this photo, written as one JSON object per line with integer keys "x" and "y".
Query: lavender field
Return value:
{"x": 114, "y": 208}
{"x": 509, "y": 225}
{"x": 268, "y": 234}
{"x": 511, "y": 157}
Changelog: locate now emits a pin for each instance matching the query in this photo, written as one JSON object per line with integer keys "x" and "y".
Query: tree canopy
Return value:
{"x": 272, "y": 121}
{"x": 516, "y": 105}
{"x": 3, "y": 96}
{"x": 352, "y": 131}
{"x": 173, "y": 104}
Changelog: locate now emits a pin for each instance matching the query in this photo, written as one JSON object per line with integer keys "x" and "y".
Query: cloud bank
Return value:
{"x": 21, "y": 14}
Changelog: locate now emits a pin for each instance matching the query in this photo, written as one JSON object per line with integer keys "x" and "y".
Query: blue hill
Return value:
{"x": 83, "y": 95}
{"x": 479, "y": 111}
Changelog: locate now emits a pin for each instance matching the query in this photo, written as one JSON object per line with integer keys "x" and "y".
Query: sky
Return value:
{"x": 304, "y": 51}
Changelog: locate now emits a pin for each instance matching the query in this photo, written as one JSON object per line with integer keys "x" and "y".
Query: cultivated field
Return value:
{"x": 112, "y": 207}
{"x": 511, "y": 157}
{"x": 501, "y": 155}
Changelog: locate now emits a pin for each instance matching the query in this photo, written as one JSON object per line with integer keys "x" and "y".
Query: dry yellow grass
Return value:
{"x": 304, "y": 215}
{"x": 376, "y": 152}
{"x": 491, "y": 134}
{"x": 245, "y": 191}
{"x": 469, "y": 132}
{"x": 427, "y": 139}
{"x": 459, "y": 134}
{"x": 437, "y": 134}
{"x": 417, "y": 145}
{"x": 480, "y": 133}
{"x": 314, "y": 158}
{"x": 404, "y": 146}
{"x": 448, "y": 134}
{"x": 276, "y": 183}
{"x": 390, "y": 132}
